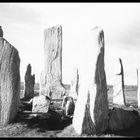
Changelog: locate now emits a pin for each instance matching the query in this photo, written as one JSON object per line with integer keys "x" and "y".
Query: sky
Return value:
{"x": 24, "y": 24}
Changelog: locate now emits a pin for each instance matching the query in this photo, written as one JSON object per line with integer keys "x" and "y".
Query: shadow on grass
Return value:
{"x": 50, "y": 121}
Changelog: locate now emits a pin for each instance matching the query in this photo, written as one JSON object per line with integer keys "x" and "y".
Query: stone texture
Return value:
{"x": 118, "y": 87}
{"x": 9, "y": 82}
{"x": 40, "y": 104}
{"x": 92, "y": 118}
{"x": 53, "y": 62}
{"x": 1, "y": 32}
{"x": 88, "y": 127}
{"x": 68, "y": 105}
{"x": 29, "y": 83}
{"x": 122, "y": 119}
{"x": 74, "y": 84}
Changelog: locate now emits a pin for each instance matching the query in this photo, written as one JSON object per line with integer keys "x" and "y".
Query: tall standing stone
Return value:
{"x": 91, "y": 111}
{"x": 9, "y": 82}
{"x": 74, "y": 84}
{"x": 53, "y": 62}
{"x": 118, "y": 87}
{"x": 29, "y": 83}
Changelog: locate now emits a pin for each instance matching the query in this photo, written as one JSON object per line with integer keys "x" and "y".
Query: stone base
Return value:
{"x": 122, "y": 119}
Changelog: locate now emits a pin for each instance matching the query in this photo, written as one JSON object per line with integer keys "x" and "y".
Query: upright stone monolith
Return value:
{"x": 53, "y": 62}
{"x": 9, "y": 82}
{"x": 118, "y": 87}
{"x": 74, "y": 84}
{"x": 91, "y": 111}
{"x": 29, "y": 83}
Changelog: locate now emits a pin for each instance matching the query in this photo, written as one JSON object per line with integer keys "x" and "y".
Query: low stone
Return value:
{"x": 40, "y": 104}
{"x": 122, "y": 119}
{"x": 68, "y": 106}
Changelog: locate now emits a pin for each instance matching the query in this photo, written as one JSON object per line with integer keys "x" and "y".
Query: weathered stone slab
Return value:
{"x": 74, "y": 84}
{"x": 53, "y": 62}
{"x": 29, "y": 83}
{"x": 40, "y": 104}
{"x": 9, "y": 82}
{"x": 93, "y": 82}
{"x": 122, "y": 119}
{"x": 68, "y": 106}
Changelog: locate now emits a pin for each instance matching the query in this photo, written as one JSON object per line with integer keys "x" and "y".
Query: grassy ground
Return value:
{"x": 54, "y": 124}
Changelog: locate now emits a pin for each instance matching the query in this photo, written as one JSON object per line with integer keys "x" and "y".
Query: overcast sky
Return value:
{"x": 24, "y": 24}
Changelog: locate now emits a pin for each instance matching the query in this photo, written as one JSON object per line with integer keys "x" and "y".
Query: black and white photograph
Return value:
{"x": 69, "y": 69}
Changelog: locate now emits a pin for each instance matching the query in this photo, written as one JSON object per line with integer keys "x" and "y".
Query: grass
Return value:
{"x": 54, "y": 124}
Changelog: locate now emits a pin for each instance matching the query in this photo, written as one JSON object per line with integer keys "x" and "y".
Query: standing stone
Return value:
{"x": 91, "y": 110}
{"x": 53, "y": 62}
{"x": 9, "y": 82}
{"x": 1, "y": 32}
{"x": 118, "y": 87}
{"x": 74, "y": 84}
{"x": 29, "y": 83}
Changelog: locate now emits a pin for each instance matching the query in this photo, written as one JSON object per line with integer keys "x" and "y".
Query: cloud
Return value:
{"x": 14, "y": 13}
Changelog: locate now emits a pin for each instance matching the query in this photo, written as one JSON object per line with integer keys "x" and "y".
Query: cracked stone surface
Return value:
{"x": 9, "y": 82}
{"x": 91, "y": 110}
{"x": 40, "y": 104}
{"x": 53, "y": 62}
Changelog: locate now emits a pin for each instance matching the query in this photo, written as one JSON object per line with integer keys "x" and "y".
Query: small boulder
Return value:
{"x": 122, "y": 119}
{"x": 68, "y": 106}
{"x": 41, "y": 104}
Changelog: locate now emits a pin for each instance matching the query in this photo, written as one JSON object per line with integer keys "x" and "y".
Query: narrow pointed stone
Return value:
{"x": 118, "y": 87}
{"x": 91, "y": 111}
{"x": 29, "y": 83}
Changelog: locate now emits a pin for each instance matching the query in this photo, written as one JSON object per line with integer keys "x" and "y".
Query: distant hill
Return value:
{"x": 36, "y": 87}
